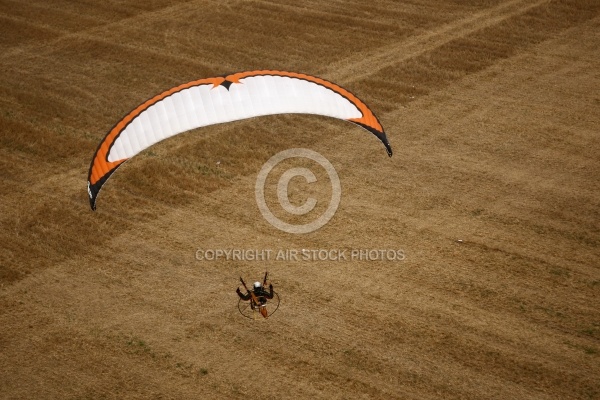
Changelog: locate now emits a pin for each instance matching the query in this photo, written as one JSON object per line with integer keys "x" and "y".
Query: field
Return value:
{"x": 492, "y": 197}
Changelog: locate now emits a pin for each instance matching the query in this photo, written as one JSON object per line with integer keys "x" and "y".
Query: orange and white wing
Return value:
{"x": 223, "y": 99}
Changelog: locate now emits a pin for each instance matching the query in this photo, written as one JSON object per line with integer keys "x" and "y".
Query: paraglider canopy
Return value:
{"x": 223, "y": 99}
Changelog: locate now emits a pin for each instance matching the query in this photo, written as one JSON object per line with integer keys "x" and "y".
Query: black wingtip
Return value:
{"x": 94, "y": 189}
{"x": 388, "y": 148}
{"x": 380, "y": 135}
{"x": 92, "y": 195}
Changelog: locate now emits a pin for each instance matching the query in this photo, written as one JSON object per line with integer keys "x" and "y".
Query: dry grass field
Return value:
{"x": 493, "y": 194}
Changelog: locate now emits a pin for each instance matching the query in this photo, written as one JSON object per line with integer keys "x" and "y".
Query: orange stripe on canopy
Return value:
{"x": 368, "y": 117}
{"x": 100, "y": 165}
{"x": 101, "y": 168}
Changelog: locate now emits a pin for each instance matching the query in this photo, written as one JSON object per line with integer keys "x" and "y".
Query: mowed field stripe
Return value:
{"x": 363, "y": 65}
{"x": 95, "y": 29}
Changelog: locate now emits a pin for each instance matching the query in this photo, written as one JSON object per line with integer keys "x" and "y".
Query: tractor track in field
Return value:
{"x": 364, "y": 65}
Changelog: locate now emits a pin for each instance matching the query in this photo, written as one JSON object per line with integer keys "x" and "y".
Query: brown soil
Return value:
{"x": 493, "y": 196}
